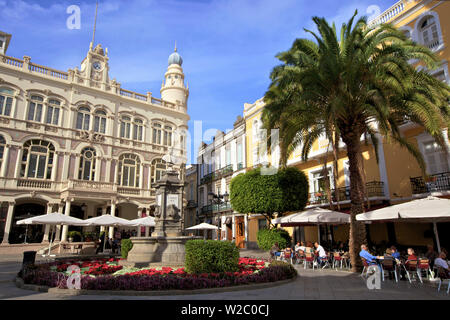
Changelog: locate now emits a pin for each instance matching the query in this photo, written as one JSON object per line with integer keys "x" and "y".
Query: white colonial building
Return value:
{"x": 77, "y": 143}
{"x": 218, "y": 162}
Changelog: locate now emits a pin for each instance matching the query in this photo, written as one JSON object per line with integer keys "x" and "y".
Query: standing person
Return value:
{"x": 322, "y": 255}
{"x": 102, "y": 243}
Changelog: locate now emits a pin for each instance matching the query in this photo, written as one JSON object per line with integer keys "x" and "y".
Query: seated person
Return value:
{"x": 322, "y": 255}
{"x": 441, "y": 262}
{"x": 309, "y": 247}
{"x": 395, "y": 253}
{"x": 274, "y": 251}
{"x": 297, "y": 246}
{"x": 388, "y": 253}
{"x": 411, "y": 254}
{"x": 431, "y": 255}
{"x": 301, "y": 247}
{"x": 370, "y": 259}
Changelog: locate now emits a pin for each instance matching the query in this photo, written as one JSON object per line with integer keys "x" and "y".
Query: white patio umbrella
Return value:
{"x": 53, "y": 219}
{"x": 426, "y": 210}
{"x": 203, "y": 226}
{"x": 316, "y": 216}
{"x": 143, "y": 222}
{"x": 108, "y": 220}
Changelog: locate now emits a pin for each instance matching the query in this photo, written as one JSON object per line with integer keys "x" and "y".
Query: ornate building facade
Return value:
{"x": 77, "y": 143}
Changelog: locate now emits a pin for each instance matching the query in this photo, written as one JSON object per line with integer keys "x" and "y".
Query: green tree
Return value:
{"x": 252, "y": 192}
{"x": 360, "y": 84}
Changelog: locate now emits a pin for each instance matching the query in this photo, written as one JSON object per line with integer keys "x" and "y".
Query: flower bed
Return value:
{"x": 108, "y": 275}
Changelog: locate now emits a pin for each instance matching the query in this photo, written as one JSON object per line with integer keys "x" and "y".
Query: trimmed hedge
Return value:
{"x": 268, "y": 237}
{"x": 126, "y": 245}
{"x": 211, "y": 256}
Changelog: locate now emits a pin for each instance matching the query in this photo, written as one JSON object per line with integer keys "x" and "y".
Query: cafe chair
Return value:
{"x": 366, "y": 267}
{"x": 424, "y": 267}
{"x": 337, "y": 259}
{"x": 389, "y": 265}
{"x": 287, "y": 255}
{"x": 299, "y": 257}
{"x": 309, "y": 259}
{"x": 443, "y": 277}
{"x": 411, "y": 269}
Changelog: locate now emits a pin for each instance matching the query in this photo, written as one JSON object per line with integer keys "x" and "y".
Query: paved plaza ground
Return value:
{"x": 317, "y": 284}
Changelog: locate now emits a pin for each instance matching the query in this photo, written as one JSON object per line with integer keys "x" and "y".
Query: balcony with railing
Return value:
{"x": 207, "y": 178}
{"x": 213, "y": 208}
{"x": 434, "y": 183}
{"x": 224, "y": 172}
{"x": 374, "y": 189}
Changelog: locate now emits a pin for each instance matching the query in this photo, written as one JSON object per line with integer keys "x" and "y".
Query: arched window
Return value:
{"x": 53, "y": 111}
{"x": 100, "y": 121}
{"x": 157, "y": 130}
{"x": 429, "y": 32}
{"x": 138, "y": 129}
{"x": 167, "y": 136}
{"x": 125, "y": 127}
{"x": 87, "y": 164}
{"x": 83, "y": 118}
{"x": 129, "y": 165}
{"x": 158, "y": 167}
{"x": 37, "y": 159}
{"x": 256, "y": 128}
{"x": 2, "y": 149}
{"x": 6, "y": 100}
{"x": 35, "y": 108}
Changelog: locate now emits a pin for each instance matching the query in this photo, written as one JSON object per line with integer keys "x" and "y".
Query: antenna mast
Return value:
{"x": 95, "y": 24}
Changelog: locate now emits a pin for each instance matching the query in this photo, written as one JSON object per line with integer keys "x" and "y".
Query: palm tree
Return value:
{"x": 360, "y": 85}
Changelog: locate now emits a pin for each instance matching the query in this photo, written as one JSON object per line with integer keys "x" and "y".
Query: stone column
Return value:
{"x": 5, "y": 161}
{"x": 18, "y": 163}
{"x": 104, "y": 209}
{"x": 139, "y": 214}
{"x": 47, "y": 227}
{"x": 58, "y": 227}
{"x": 113, "y": 213}
{"x": 9, "y": 219}
{"x": 66, "y": 228}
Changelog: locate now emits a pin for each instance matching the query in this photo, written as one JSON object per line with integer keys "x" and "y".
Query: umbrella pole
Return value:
{"x": 436, "y": 235}
{"x": 26, "y": 232}
{"x": 50, "y": 244}
{"x": 318, "y": 233}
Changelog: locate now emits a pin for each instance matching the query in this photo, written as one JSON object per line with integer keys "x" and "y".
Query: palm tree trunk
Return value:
{"x": 357, "y": 229}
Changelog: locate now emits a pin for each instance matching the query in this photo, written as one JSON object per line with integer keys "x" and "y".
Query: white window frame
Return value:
{"x": 28, "y": 152}
{"x": 38, "y": 104}
{"x": 83, "y": 160}
{"x": 4, "y": 103}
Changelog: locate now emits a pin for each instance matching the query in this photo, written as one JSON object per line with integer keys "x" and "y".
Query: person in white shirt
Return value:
{"x": 321, "y": 251}
{"x": 300, "y": 246}
{"x": 441, "y": 262}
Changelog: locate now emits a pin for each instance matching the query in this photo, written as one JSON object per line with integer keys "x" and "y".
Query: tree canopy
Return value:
{"x": 287, "y": 190}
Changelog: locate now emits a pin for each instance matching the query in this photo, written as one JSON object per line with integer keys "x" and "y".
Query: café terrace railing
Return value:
{"x": 433, "y": 183}
{"x": 373, "y": 189}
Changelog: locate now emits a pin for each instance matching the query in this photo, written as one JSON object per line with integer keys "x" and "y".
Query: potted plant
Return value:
{"x": 74, "y": 236}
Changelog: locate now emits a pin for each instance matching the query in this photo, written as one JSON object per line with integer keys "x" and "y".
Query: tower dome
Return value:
{"x": 175, "y": 58}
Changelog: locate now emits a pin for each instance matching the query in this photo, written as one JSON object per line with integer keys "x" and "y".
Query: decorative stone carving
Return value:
{"x": 172, "y": 212}
{"x": 157, "y": 211}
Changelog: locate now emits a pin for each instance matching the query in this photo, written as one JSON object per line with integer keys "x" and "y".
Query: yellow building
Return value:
{"x": 396, "y": 177}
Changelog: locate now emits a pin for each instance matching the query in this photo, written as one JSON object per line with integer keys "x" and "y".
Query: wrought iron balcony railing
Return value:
{"x": 373, "y": 189}
{"x": 216, "y": 207}
{"x": 434, "y": 183}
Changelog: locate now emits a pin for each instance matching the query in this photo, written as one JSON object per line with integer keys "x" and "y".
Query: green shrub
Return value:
{"x": 126, "y": 246}
{"x": 211, "y": 256}
{"x": 268, "y": 237}
{"x": 75, "y": 235}
{"x": 287, "y": 267}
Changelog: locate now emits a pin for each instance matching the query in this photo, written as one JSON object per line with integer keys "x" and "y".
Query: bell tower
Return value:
{"x": 173, "y": 88}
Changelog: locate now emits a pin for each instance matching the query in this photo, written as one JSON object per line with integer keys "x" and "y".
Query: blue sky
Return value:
{"x": 228, "y": 46}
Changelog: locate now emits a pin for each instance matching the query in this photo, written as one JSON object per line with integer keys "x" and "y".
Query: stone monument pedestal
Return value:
{"x": 166, "y": 246}
{"x": 157, "y": 251}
